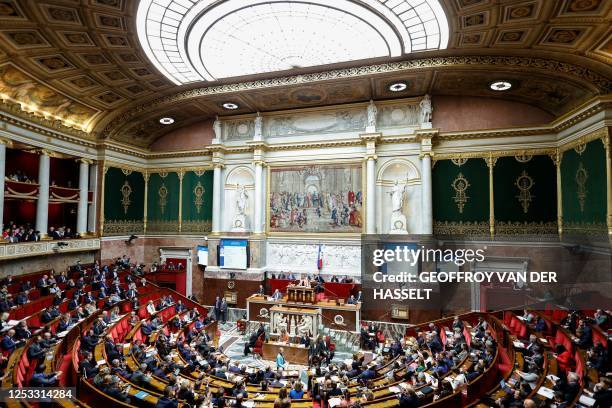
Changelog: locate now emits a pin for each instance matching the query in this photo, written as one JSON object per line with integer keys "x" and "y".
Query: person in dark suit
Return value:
{"x": 8, "y": 342}
{"x": 140, "y": 377}
{"x": 43, "y": 285}
{"x": 584, "y": 334}
{"x": 88, "y": 366}
{"x": 21, "y": 299}
{"x": 6, "y": 304}
{"x": 36, "y": 350}
{"x": 168, "y": 400}
{"x": 223, "y": 310}
{"x": 46, "y": 316}
{"x": 89, "y": 341}
{"x": 112, "y": 352}
{"x": 74, "y": 302}
{"x": 146, "y": 328}
{"x": 40, "y": 379}
{"x": 217, "y": 308}
{"x": 22, "y": 332}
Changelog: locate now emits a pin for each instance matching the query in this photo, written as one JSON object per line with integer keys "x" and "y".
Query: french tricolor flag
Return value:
{"x": 319, "y": 259}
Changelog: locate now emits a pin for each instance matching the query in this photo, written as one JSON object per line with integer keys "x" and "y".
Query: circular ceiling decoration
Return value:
{"x": 501, "y": 85}
{"x": 195, "y": 40}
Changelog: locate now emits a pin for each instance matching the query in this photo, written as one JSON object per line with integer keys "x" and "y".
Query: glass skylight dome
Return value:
{"x": 195, "y": 40}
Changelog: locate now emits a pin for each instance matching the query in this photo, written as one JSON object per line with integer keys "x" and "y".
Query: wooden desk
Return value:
{"x": 300, "y": 294}
{"x": 336, "y": 317}
{"x": 293, "y": 353}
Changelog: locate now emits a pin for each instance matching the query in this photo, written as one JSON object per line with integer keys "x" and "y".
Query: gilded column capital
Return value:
{"x": 5, "y": 141}
{"x": 491, "y": 161}
{"x": 372, "y": 156}
{"x": 261, "y": 163}
{"x": 84, "y": 160}
{"x": 557, "y": 157}
{"x": 45, "y": 152}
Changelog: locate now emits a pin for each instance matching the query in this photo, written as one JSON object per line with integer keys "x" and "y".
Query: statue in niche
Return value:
{"x": 217, "y": 129}
{"x": 241, "y": 199}
{"x": 398, "y": 219}
{"x": 239, "y": 222}
{"x": 372, "y": 112}
{"x": 426, "y": 111}
{"x": 258, "y": 127}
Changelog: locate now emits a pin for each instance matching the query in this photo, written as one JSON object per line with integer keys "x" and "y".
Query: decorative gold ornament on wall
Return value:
{"x": 126, "y": 191}
{"x": 581, "y": 180}
{"x": 523, "y": 157}
{"x": 580, "y": 148}
{"x": 163, "y": 198}
{"x": 460, "y": 185}
{"x": 524, "y": 183}
{"x": 460, "y": 161}
{"x": 198, "y": 192}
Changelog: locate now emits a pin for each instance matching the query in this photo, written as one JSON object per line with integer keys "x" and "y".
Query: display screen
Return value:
{"x": 202, "y": 255}
{"x": 233, "y": 253}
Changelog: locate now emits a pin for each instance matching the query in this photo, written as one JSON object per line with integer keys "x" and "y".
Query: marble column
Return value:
{"x": 371, "y": 195}
{"x": 92, "y": 208}
{"x": 491, "y": 164}
{"x": 426, "y": 195}
{"x": 257, "y": 216}
{"x": 557, "y": 158}
{"x": 2, "y": 174}
{"x": 42, "y": 205}
{"x": 608, "y": 146}
{"x": 217, "y": 191}
{"x": 83, "y": 197}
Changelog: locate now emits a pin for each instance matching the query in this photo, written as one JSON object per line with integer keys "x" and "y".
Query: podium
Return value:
{"x": 300, "y": 294}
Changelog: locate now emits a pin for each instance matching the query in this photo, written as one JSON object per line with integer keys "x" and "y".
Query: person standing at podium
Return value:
{"x": 280, "y": 359}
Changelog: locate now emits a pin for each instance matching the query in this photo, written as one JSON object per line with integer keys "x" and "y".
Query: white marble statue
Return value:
{"x": 241, "y": 199}
{"x": 305, "y": 326}
{"x": 398, "y": 219}
{"x": 426, "y": 111}
{"x": 258, "y": 127}
{"x": 281, "y": 323}
{"x": 217, "y": 129}
{"x": 397, "y": 196}
{"x": 372, "y": 113}
{"x": 292, "y": 321}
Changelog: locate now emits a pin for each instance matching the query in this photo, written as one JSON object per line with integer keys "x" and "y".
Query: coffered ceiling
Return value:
{"x": 77, "y": 66}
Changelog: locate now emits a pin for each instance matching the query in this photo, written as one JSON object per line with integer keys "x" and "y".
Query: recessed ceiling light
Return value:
{"x": 398, "y": 87}
{"x": 500, "y": 85}
{"x": 230, "y": 105}
{"x": 166, "y": 121}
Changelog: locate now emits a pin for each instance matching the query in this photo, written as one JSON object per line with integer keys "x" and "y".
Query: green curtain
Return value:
{"x": 197, "y": 201}
{"x": 163, "y": 203}
{"x": 525, "y": 194}
{"x": 461, "y": 197}
{"x": 583, "y": 184}
{"x": 123, "y": 202}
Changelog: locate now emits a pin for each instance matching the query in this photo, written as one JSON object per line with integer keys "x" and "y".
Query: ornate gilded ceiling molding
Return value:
{"x": 494, "y": 154}
{"x": 584, "y": 139}
{"x": 48, "y": 132}
{"x": 579, "y": 73}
